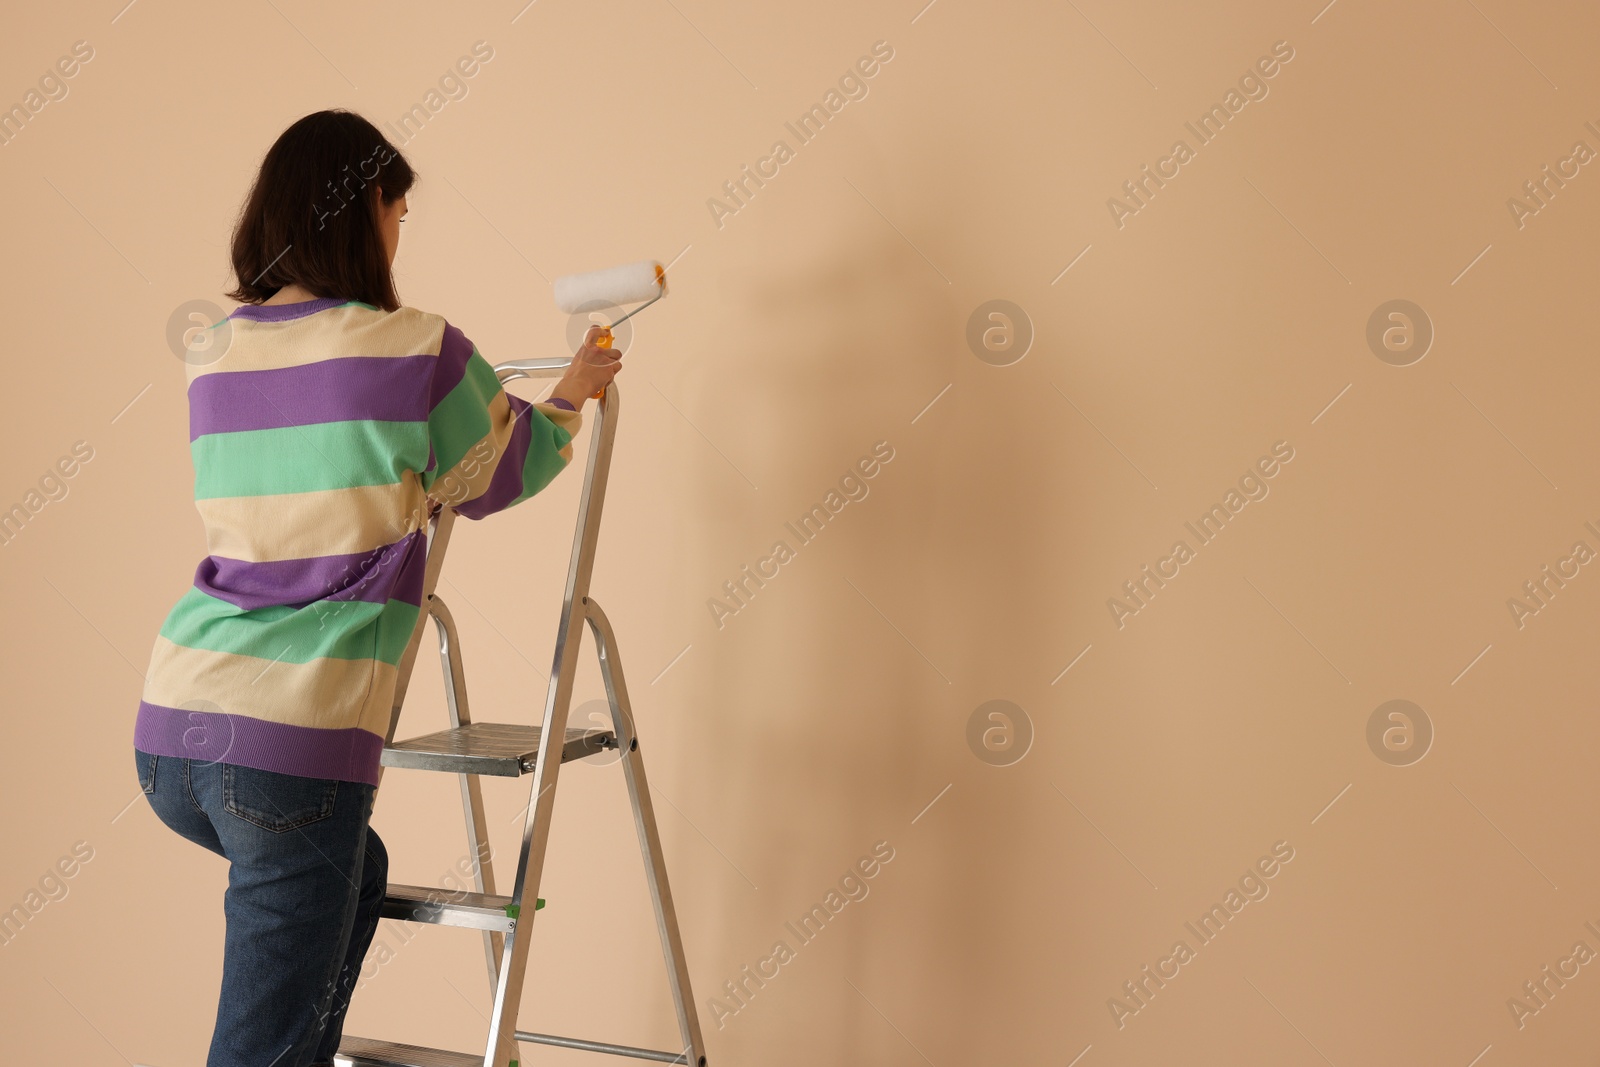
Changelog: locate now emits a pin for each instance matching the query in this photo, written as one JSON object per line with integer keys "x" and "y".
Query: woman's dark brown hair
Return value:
{"x": 310, "y": 218}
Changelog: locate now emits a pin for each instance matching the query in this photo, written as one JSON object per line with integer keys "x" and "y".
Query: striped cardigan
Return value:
{"x": 321, "y": 440}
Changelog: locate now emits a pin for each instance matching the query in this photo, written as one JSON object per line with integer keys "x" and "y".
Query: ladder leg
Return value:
{"x": 502, "y": 1047}
{"x": 455, "y": 695}
{"x": 644, "y": 820}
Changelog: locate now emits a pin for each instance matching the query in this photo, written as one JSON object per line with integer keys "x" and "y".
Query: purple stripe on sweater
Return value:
{"x": 561, "y": 402}
{"x": 454, "y": 352}
{"x": 285, "y": 312}
{"x": 393, "y": 572}
{"x": 409, "y": 560}
{"x": 349, "y": 755}
{"x": 388, "y": 388}
{"x": 506, "y": 483}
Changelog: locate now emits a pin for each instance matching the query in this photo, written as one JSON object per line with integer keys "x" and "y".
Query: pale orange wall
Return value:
{"x": 1222, "y": 317}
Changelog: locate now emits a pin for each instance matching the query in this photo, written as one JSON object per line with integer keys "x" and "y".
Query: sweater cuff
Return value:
{"x": 561, "y": 402}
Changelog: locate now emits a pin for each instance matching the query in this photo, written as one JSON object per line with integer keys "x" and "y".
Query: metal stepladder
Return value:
{"x": 472, "y": 749}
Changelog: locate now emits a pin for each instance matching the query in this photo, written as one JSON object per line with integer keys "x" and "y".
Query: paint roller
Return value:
{"x": 578, "y": 294}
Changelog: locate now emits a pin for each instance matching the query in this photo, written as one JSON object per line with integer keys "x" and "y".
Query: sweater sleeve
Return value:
{"x": 489, "y": 450}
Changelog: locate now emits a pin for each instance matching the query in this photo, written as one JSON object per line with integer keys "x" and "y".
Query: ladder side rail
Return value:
{"x": 439, "y": 526}
{"x": 644, "y": 821}
{"x": 502, "y": 1046}
{"x": 455, "y": 695}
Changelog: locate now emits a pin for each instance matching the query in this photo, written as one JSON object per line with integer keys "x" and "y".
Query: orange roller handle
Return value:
{"x": 603, "y": 341}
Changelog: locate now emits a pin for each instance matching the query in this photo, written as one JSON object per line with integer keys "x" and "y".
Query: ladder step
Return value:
{"x": 369, "y": 1052}
{"x": 444, "y": 907}
{"x": 503, "y": 749}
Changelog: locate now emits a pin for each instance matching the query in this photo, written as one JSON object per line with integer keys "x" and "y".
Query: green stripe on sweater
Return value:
{"x": 304, "y": 459}
{"x": 461, "y": 419}
{"x": 543, "y": 463}
{"x": 343, "y": 629}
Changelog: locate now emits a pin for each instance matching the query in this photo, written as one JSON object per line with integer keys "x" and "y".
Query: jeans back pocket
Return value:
{"x": 146, "y": 763}
{"x": 274, "y": 801}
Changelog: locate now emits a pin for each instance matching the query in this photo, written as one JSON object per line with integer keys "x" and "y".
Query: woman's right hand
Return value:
{"x": 591, "y": 371}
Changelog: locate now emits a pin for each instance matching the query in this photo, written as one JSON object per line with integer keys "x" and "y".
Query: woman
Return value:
{"x": 331, "y": 426}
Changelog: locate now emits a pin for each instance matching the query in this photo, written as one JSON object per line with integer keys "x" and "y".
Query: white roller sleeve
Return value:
{"x": 613, "y": 286}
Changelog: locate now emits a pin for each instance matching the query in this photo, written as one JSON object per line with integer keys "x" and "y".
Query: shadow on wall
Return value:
{"x": 840, "y": 693}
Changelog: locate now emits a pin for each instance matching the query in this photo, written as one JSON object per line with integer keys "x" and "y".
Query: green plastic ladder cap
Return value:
{"x": 539, "y": 905}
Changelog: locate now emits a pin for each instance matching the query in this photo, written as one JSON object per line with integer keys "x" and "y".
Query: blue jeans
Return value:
{"x": 306, "y": 878}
